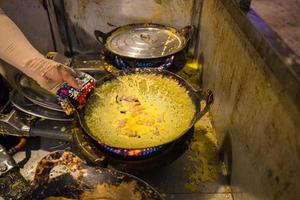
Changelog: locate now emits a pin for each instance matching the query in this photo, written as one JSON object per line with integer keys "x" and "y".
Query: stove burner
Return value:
{"x": 135, "y": 161}
{"x": 141, "y": 153}
{"x": 138, "y": 161}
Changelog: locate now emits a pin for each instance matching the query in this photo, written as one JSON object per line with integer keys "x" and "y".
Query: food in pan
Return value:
{"x": 57, "y": 198}
{"x": 125, "y": 190}
{"x": 139, "y": 110}
{"x": 105, "y": 191}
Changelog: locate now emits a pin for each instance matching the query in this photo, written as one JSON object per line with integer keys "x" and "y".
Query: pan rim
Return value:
{"x": 183, "y": 83}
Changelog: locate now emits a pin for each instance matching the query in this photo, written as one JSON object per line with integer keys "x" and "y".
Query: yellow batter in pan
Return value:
{"x": 138, "y": 111}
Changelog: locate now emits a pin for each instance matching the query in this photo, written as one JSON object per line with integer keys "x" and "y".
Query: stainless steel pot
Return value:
{"x": 145, "y": 45}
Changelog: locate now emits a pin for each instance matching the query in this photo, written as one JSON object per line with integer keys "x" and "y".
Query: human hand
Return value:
{"x": 70, "y": 88}
{"x": 58, "y": 75}
{"x": 16, "y": 50}
{"x": 50, "y": 75}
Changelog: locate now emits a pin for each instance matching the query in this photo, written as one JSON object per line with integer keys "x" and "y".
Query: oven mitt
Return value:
{"x": 16, "y": 50}
{"x": 71, "y": 99}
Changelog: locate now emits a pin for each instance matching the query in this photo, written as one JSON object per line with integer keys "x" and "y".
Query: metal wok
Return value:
{"x": 81, "y": 178}
{"x": 195, "y": 96}
{"x": 62, "y": 174}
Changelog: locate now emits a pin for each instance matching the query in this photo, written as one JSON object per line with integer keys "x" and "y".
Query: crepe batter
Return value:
{"x": 139, "y": 110}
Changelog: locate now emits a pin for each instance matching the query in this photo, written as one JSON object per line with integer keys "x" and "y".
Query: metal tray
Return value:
{"x": 37, "y": 95}
{"x": 25, "y": 105}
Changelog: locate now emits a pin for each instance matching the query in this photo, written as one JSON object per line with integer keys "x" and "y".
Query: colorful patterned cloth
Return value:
{"x": 71, "y": 99}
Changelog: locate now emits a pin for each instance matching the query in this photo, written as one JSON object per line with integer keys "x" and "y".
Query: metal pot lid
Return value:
{"x": 24, "y": 105}
{"x": 145, "y": 41}
{"x": 32, "y": 91}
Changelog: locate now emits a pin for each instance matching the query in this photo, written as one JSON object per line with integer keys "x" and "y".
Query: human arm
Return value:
{"x": 16, "y": 50}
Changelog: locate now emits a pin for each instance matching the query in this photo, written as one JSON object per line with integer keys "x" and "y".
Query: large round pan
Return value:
{"x": 195, "y": 96}
{"x": 75, "y": 180}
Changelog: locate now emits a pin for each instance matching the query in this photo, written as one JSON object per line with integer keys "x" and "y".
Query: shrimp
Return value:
{"x": 122, "y": 123}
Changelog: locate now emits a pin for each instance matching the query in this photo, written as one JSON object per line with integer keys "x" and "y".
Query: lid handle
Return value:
{"x": 187, "y": 32}
{"x": 100, "y": 36}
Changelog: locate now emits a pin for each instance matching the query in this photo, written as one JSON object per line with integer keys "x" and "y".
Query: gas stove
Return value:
{"x": 167, "y": 169}
{"x": 32, "y": 112}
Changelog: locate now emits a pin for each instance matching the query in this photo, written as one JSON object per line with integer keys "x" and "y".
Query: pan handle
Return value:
{"x": 53, "y": 134}
{"x": 209, "y": 99}
{"x": 11, "y": 124}
{"x": 187, "y": 32}
{"x": 100, "y": 36}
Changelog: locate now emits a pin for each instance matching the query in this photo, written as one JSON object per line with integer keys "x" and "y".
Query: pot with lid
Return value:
{"x": 145, "y": 45}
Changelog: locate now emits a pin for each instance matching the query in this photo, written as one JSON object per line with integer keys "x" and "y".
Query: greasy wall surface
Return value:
{"x": 252, "y": 113}
{"x": 31, "y": 17}
{"x": 283, "y": 17}
{"x": 86, "y": 16}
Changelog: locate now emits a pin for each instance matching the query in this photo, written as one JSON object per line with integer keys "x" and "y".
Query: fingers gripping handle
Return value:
{"x": 71, "y": 99}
